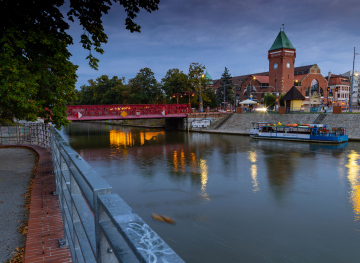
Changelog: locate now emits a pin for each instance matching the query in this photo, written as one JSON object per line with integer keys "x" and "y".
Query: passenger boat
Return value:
{"x": 308, "y": 132}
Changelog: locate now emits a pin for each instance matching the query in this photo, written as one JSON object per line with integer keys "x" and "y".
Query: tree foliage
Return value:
{"x": 269, "y": 100}
{"x": 144, "y": 88}
{"x": 227, "y": 86}
{"x": 103, "y": 90}
{"x": 37, "y": 78}
{"x": 175, "y": 81}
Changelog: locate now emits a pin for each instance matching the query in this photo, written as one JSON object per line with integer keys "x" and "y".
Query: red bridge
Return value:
{"x": 129, "y": 111}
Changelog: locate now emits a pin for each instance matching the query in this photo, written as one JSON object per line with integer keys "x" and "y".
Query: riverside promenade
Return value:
{"x": 18, "y": 166}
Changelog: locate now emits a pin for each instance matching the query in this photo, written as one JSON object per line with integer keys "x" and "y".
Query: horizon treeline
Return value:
{"x": 145, "y": 89}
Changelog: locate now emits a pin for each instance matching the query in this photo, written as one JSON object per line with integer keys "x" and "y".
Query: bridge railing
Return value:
{"x": 99, "y": 226}
{"x": 128, "y": 109}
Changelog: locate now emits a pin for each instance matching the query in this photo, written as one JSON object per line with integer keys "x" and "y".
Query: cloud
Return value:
{"x": 231, "y": 33}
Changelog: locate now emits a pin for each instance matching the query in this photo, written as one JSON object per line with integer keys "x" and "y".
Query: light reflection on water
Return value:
{"x": 233, "y": 199}
{"x": 353, "y": 177}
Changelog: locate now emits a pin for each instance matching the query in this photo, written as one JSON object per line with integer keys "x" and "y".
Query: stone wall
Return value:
{"x": 242, "y": 122}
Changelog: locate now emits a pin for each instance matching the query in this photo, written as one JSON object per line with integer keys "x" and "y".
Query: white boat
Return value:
{"x": 293, "y": 132}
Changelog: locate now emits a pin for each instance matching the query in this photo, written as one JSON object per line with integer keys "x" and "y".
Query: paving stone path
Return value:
{"x": 16, "y": 166}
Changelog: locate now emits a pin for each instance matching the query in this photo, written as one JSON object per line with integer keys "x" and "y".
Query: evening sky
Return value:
{"x": 227, "y": 33}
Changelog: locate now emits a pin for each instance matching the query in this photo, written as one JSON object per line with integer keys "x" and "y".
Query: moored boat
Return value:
{"x": 294, "y": 132}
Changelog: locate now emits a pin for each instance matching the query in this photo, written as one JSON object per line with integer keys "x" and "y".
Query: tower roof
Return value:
{"x": 281, "y": 41}
{"x": 209, "y": 79}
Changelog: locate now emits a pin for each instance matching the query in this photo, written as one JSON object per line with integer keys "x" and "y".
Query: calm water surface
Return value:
{"x": 233, "y": 199}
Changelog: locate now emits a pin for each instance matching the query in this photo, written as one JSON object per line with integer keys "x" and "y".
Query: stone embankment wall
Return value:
{"x": 240, "y": 123}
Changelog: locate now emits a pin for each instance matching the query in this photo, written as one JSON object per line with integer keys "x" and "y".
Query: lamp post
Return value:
{"x": 177, "y": 95}
{"x": 235, "y": 97}
{"x": 200, "y": 97}
{"x": 251, "y": 86}
{"x": 189, "y": 93}
{"x": 352, "y": 82}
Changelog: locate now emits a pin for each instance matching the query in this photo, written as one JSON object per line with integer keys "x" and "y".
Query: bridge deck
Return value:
{"x": 130, "y": 111}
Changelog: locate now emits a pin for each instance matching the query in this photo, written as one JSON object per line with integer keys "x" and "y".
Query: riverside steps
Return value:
{"x": 240, "y": 123}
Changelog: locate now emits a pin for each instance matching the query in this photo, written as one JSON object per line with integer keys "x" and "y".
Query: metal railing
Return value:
{"x": 26, "y": 133}
{"x": 99, "y": 226}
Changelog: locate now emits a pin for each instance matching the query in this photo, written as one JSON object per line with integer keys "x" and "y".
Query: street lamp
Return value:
{"x": 352, "y": 82}
{"x": 200, "y": 97}
{"x": 251, "y": 86}
{"x": 177, "y": 95}
{"x": 189, "y": 93}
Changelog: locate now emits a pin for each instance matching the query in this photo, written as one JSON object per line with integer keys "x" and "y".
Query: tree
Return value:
{"x": 227, "y": 86}
{"x": 175, "y": 81}
{"x": 269, "y": 100}
{"x": 144, "y": 89}
{"x": 210, "y": 99}
{"x": 37, "y": 78}
{"x": 103, "y": 90}
{"x": 196, "y": 82}
{"x": 281, "y": 100}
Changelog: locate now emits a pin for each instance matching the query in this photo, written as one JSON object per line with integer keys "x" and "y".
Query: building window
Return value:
{"x": 314, "y": 86}
{"x": 321, "y": 92}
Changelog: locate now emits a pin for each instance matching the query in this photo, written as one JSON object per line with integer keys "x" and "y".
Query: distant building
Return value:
{"x": 339, "y": 90}
{"x": 356, "y": 94}
{"x": 281, "y": 77}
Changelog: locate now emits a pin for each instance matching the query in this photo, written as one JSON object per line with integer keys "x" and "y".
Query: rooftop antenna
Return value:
{"x": 283, "y": 25}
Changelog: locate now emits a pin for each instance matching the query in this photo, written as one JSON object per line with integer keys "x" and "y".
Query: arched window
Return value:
{"x": 307, "y": 92}
{"x": 314, "y": 86}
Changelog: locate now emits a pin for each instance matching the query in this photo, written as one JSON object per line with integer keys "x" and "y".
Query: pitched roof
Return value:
{"x": 293, "y": 94}
{"x": 300, "y": 77}
{"x": 262, "y": 79}
{"x": 303, "y": 70}
{"x": 281, "y": 41}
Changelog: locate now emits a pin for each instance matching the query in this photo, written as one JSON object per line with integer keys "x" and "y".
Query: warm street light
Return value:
{"x": 177, "y": 95}
{"x": 189, "y": 93}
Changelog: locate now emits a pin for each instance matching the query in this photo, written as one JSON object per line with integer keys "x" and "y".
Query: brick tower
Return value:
{"x": 281, "y": 57}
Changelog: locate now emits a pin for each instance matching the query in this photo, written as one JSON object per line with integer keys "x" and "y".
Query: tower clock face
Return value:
{"x": 276, "y": 65}
{"x": 288, "y": 65}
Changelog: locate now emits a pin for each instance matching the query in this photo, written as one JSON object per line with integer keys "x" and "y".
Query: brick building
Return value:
{"x": 282, "y": 76}
{"x": 339, "y": 90}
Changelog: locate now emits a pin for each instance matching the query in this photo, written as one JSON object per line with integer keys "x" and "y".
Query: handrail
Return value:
{"x": 99, "y": 226}
{"x": 26, "y": 133}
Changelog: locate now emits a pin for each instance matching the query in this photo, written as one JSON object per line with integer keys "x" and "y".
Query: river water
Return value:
{"x": 233, "y": 199}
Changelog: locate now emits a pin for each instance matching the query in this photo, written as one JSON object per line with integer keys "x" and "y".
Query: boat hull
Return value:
{"x": 312, "y": 138}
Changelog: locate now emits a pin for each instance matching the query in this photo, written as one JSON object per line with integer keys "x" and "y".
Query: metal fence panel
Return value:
{"x": 98, "y": 225}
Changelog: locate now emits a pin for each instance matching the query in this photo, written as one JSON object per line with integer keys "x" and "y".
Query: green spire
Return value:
{"x": 281, "y": 41}
{"x": 209, "y": 79}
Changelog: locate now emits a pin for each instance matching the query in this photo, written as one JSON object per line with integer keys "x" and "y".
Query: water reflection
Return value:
{"x": 204, "y": 178}
{"x": 128, "y": 138}
{"x": 252, "y": 157}
{"x": 353, "y": 177}
{"x": 206, "y": 183}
